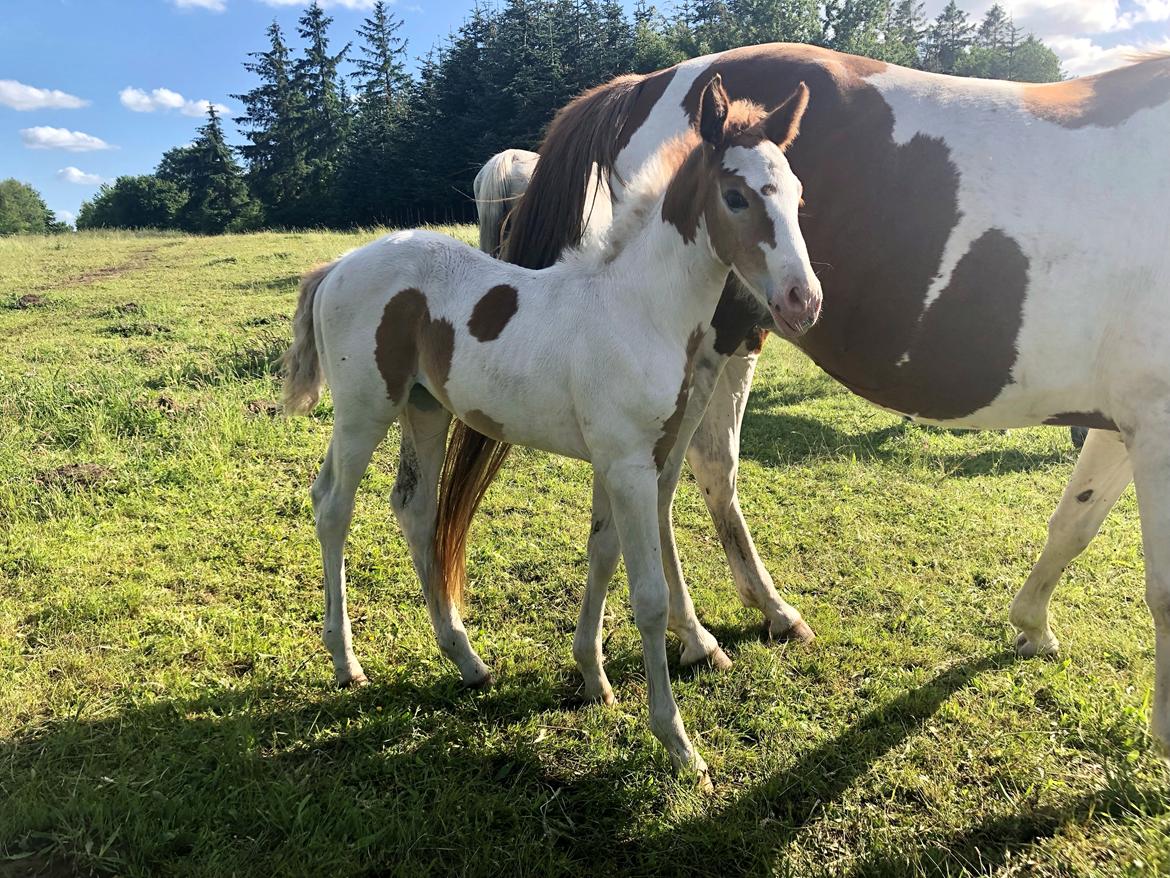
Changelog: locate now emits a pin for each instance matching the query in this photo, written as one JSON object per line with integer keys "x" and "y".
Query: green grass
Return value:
{"x": 166, "y": 706}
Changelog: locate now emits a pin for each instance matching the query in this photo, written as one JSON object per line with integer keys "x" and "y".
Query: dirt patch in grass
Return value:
{"x": 29, "y": 300}
{"x": 263, "y": 407}
{"x": 129, "y": 330}
{"x": 136, "y": 261}
{"x": 74, "y": 475}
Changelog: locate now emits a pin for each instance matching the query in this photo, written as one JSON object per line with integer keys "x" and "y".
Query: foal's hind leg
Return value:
{"x": 1149, "y": 449}
{"x": 415, "y": 501}
{"x": 604, "y": 551}
{"x": 354, "y": 440}
{"x": 713, "y": 456}
{"x": 1101, "y": 474}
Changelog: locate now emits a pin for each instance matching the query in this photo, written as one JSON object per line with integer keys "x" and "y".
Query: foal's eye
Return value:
{"x": 734, "y": 199}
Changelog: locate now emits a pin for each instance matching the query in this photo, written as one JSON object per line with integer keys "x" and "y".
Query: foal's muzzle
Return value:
{"x": 797, "y": 309}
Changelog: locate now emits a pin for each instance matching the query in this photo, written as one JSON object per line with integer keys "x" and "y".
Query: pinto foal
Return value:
{"x": 416, "y": 327}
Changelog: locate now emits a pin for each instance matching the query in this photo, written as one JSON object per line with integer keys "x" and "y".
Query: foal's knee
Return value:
{"x": 1158, "y": 600}
{"x": 650, "y": 606}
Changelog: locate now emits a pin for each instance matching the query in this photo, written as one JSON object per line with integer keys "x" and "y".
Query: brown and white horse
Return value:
{"x": 993, "y": 255}
{"x": 417, "y": 327}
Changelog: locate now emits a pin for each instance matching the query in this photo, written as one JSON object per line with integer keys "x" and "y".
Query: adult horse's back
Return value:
{"x": 992, "y": 254}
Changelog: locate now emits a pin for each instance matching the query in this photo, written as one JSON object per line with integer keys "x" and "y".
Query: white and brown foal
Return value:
{"x": 591, "y": 358}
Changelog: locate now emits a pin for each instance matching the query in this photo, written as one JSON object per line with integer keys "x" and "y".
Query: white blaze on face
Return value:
{"x": 764, "y": 167}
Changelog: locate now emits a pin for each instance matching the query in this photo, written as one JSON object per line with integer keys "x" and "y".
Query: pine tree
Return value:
{"x": 273, "y": 123}
{"x": 370, "y": 179}
{"x": 323, "y": 121}
{"x": 950, "y": 37}
{"x": 905, "y": 29}
{"x": 217, "y": 198}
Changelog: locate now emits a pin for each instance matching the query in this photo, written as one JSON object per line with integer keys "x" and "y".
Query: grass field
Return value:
{"x": 166, "y": 706}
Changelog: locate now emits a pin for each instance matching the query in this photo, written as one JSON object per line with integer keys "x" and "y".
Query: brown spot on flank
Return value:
{"x": 483, "y": 423}
{"x": 670, "y": 426}
{"x": 1105, "y": 100}
{"x": 492, "y": 312}
{"x": 1085, "y": 496}
{"x": 408, "y": 342}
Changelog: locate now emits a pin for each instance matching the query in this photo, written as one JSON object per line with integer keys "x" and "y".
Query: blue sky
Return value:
{"x": 67, "y": 120}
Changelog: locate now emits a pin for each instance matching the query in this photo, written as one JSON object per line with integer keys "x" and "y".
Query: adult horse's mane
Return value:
{"x": 642, "y": 193}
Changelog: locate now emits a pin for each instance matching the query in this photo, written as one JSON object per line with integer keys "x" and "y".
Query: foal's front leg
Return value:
{"x": 632, "y": 486}
{"x": 604, "y": 551}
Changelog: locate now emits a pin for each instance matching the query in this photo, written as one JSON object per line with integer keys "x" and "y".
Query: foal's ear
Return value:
{"x": 713, "y": 111}
{"x": 783, "y": 124}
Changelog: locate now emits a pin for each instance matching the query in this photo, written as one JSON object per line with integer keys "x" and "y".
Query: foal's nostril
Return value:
{"x": 795, "y": 298}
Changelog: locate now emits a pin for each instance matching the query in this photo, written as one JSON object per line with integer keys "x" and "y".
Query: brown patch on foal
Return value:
{"x": 493, "y": 311}
{"x": 1105, "y": 100}
{"x": 408, "y": 341}
{"x": 736, "y": 321}
{"x": 669, "y": 437}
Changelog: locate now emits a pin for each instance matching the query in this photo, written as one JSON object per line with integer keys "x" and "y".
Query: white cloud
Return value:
{"x": 80, "y": 177}
{"x": 44, "y": 137}
{"x": 19, "y": 96}
{"x": 212, "y": 5}
{"x": 67, "y": 216}
{"x": 1081, "y": 56}
{"x": 164, "y": 99}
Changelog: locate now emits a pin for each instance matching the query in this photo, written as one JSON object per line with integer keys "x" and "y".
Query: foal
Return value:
{"x": 417, "y": 326}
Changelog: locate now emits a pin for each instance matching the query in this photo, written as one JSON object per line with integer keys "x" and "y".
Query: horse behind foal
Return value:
{"x": 501, "y": 181}
{"x": 416, "y": 327}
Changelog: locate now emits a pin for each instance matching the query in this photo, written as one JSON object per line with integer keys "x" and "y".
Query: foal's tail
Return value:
{"x": 300, "y": 365}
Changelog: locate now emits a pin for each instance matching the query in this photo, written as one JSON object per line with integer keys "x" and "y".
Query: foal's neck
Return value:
{"x": 676, "y": 284}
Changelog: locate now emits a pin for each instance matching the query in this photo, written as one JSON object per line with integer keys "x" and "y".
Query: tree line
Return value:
{"x": 343, "y": 135}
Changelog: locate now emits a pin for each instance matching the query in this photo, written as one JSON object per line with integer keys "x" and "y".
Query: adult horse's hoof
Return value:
{"x": 1039, "y": 648}
{"x": 354, "y": 682}
{"x": 800, "y": 632}
{"x": 717, "y": 659}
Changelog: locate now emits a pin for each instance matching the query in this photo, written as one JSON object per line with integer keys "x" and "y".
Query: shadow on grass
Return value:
{"x": 422, "y": 778}
{"x": 777, "y": 438}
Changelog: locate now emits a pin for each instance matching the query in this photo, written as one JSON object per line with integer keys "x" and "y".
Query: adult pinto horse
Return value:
{"x": 992, "y": 254}
{"x": 417, "y": 326}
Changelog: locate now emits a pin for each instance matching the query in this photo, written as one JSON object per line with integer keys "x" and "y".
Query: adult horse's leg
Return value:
{"x": 604, "y": 551}
{"x": 698, "y": 643}
{"x": 355, "y": 436}
{"x": 632, "y": 486}
{"x": 1100, "y": 476}
{"x": 1149, "y": 449}
{"x": 415, "y": 502}
{"x": 714, "y": 458}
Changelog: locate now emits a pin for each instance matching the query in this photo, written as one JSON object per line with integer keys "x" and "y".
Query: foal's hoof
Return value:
{"x": 703, "y": 783}
{"x": 1039, "y": 648}
{"x": 482, "y": 683}
{"x": 798, "y": 632}
{"x": 354, "y": 682}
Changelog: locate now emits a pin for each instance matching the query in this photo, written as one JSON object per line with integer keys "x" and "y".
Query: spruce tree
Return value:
{"x": 323, "y": 121}
{"x": 273, "y": 122}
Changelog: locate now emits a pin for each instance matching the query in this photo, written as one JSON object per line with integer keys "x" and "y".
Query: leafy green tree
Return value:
{"x": 856, "y": 26}
{"x": 142, "y": 202}
{"x": 906, "y": 27}
{"x": 217, "y": 197}
{"x": 652, "y": 49}
{"x": 1032, "y": 61}
{"x": 23, "y": 211}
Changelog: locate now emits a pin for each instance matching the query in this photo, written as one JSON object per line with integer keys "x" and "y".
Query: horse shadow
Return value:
{"x": 462, "y": 795}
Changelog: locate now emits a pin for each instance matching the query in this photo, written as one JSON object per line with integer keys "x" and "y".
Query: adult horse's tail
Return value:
{"x": 495, "y": 191}
{"x": 584, "y": 136}
{"x": 300, "y": 365}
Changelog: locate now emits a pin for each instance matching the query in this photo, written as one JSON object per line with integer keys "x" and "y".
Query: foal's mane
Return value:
{"x": 643, "y": 192}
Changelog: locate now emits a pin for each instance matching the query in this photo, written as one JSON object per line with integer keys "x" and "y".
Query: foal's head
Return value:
{"x": 738, "y": 182}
